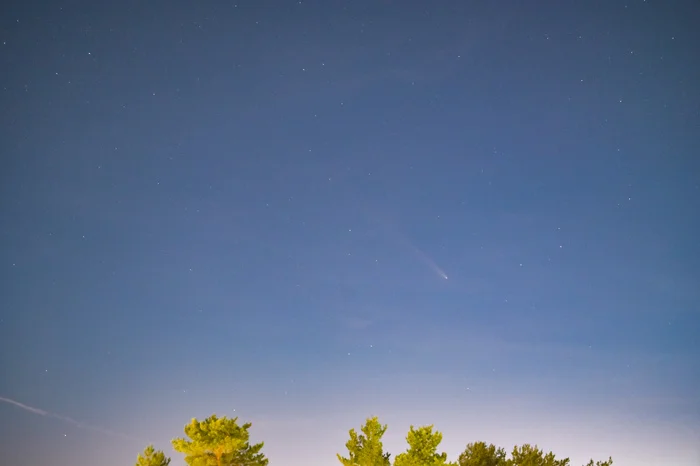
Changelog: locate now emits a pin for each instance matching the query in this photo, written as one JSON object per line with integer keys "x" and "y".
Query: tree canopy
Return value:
{"x": 481, "y": 454}
{"x": 366, "y": 449}
{"x": 219, "y": 442}
{"x": 152, "y": 457}
{"x": 528, "y": 455}
{"x": 609, "y": 462}
{"x": 422, "y": 449}
{"x": 223, "y": 442}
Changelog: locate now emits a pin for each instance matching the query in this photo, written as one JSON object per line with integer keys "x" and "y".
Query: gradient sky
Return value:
{"x": 250, "y": 209}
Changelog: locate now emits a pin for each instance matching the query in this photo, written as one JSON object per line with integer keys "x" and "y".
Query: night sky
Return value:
{"x": 482, "y": 215}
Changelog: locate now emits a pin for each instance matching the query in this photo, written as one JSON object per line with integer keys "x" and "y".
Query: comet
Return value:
{"x": 393, "y": 232}
{"x": 427, "y": 260}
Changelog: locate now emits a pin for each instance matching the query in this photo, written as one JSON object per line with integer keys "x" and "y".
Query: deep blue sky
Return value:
{"x": 248, "y": 208}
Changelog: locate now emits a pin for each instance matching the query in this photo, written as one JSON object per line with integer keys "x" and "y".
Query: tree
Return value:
{"x": 609, "y": 462}
{"x": 422, "y": 449}
{"x": 528, "y": 455}
{"x": 366, "y": 449}
{"x": 152, "y": 457}
{"x": 480, "y": 454}
{"x": 219, "y": 442}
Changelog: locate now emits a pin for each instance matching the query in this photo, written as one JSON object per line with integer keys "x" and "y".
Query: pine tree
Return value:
{"x": 219, "y": 442}
{"x": 422, "y": 449}
{"x": 152, "y": 457}
{"x": 366, "y": 449}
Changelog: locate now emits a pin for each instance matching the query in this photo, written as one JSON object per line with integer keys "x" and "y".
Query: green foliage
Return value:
{"x": 609, "y": 462}
{"x": 480, "y": 454}
{"x": 222, "y": 442}
{"x": 422, "y": 449}
{"x": 528, "y": 455}
{"x": 366, "y": 449}
{"x": 219, "y": 442}
{"x": 152, "y": 457}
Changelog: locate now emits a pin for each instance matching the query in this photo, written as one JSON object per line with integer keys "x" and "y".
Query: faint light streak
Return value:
{"x": 428, "y": 261}
{"x": 67, "y": 419}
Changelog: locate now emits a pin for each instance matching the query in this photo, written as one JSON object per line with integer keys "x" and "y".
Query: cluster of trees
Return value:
{"x": 214, "y": 441}
{"x": 223, "y": 442}
{"x": 366, "y": 449}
